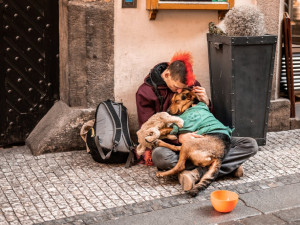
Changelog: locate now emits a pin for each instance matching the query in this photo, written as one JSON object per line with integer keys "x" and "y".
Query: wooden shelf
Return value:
{"x": 154, "y": 5}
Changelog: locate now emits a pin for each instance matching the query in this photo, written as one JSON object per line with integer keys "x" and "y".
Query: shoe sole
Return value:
{"x": 186, "y": 183}
{"x": 239, "y": 172}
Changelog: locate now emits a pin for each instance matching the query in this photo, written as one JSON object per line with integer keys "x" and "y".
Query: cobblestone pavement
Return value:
{"x": 61, "y": 186}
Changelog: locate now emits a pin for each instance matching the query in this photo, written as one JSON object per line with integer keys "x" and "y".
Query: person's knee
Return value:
{"x": 163, "y": 158}
{"x": 156, "y": 155}
{"x": 246, "y": 145}
{"x": 251, "y": 145}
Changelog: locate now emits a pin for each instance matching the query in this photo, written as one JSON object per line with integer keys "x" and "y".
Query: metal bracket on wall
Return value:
{"x": 152, "y": 14}
{"x": 222, "y": 14}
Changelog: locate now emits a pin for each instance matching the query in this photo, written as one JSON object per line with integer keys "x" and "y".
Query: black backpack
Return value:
{"x": 109, "y": 140}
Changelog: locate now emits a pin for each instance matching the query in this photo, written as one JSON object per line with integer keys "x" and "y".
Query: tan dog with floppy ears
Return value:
{"x": 207, "y": 151}
{"x": 157, "y": 126}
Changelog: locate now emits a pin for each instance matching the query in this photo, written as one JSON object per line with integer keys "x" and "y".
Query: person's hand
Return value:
{"x": 201, "y": 93}
{"x": 188, "y": 136}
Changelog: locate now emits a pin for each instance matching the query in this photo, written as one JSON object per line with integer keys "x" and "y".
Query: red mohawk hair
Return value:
{"x": 187, "y": 59}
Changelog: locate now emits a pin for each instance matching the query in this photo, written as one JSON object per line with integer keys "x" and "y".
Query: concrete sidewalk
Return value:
{"x": 277, "y": 205}
{"x": 69, "y": 188}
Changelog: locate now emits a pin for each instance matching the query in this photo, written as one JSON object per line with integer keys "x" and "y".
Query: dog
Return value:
{"x": 207, "y": 151}
{"x": 157, "y": 126}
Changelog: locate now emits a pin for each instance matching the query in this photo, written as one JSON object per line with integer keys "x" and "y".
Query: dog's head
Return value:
{"x": 182, "y": 101}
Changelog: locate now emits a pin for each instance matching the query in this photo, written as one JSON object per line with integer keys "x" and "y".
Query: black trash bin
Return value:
{"x": 241, "y": 72}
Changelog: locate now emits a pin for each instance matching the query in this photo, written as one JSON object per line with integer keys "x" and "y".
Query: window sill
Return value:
{"x": 154, "y": 5}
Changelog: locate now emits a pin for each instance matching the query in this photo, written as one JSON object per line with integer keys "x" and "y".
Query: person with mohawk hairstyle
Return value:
{"x": 155, "y": 95}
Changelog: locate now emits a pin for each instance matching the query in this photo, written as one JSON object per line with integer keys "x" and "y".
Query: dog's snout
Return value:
{"x": 168, "y": 110}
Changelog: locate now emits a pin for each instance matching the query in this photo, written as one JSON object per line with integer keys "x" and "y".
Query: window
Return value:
{"x": 154, "y": 5}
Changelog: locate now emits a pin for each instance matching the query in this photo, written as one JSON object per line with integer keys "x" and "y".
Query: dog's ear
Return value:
{"x": 190, "y": 96}
{"x": 193, "y": 97}
{"x": 173, "y": 98}
{"x": 196, "y": 100}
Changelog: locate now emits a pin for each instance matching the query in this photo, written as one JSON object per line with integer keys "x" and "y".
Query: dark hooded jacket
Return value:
{"x": 147, "y": 101}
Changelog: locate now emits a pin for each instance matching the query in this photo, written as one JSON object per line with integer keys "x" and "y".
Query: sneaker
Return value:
{"x": 239, "y": 172}
{"x": 188, "y": 179}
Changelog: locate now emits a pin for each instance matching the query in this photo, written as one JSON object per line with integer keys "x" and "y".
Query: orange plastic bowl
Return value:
{"x": 224, "y": 201}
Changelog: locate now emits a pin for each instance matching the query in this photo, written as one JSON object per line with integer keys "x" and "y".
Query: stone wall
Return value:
{"x": 87, "y": 52}
{"x": 273, "y": 14}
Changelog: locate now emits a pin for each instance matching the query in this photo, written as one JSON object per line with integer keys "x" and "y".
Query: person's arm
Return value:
{"x": 145, "y": 106}
{"x": 188, "y": 137}
{"x": 201, "y": 92}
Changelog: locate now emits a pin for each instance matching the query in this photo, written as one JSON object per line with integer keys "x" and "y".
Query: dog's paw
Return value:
{"x": 156, "y": 143}
{"x": 193, "y": 192}
{"x": 139, "y": 153}
{"x": 180, "y": 123}
{"x": 140, "y": 150}
{"x": 159, "y": 174}
{"x": 150, "y": 139}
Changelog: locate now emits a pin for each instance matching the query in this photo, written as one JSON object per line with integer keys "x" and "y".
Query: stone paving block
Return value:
{"x": 268, "y": 201}
{"x": 231, "y": 223}
{"x": 290, "y": 215}
{"x": 263, "y": 219}
{"x": 16, "y": 222}
{"x": 138, "y": 208}
{"x": 3, "y": 222}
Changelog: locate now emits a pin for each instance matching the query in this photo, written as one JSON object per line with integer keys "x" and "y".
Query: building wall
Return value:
{"x": 140, "y": 44}
{"x": 106, "y": 51}
{"x": 273, "y": 21}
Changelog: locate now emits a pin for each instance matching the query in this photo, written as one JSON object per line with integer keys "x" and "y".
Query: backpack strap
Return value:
{"x": 117, "y": 134}
{"x": 117, "y": 122}
{"x": 124, "y": 121}
{"x": 100, "y": 150}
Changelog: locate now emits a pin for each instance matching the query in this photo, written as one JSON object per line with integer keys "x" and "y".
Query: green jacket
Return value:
{"x": 199, "y": 118}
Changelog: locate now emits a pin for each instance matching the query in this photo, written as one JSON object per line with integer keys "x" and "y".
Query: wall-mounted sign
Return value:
{"x": 129, "y": 3}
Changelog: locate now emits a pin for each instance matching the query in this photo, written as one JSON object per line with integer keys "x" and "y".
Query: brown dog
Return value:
{"x": 207, "y": 151}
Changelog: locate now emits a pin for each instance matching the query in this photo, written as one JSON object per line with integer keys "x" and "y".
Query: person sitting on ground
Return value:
{"x": 155, "y": 95}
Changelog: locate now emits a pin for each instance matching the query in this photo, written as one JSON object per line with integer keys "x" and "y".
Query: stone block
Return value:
{"x": 59, "y": 130}
{"x": 99, "y": 52}
{"x": 263, "y": 219}
{"x": 90, "y": 57}
{"x": 267, "y": 201}
{"x": 77, "y": 54}
{"x": 290, "y": 215}
{"x": 279, "y": 115}
{"x": 295, "y": 123}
